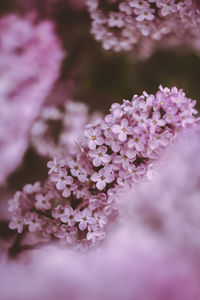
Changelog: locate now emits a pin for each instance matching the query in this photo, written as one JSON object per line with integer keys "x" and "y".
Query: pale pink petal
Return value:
{"x": 82, "y": 226}
{"x": 92, "y": 145}
{"x": 106, "y": 158}
{"x": 116, "y": 129}
{"x": 110, "y": 178}
{"x": 118, "y": 159}
{"x": 115, "y": 147}
{"x": 97, "y": 162}
{"x": 100, "y": 140}
{"x": 88, "y": 133}
{"x": 95, "y": 177}
{"x": 54, "y": 177}
{"x": 131, "y": 154}
{"x": 69, "y": 180}
{"x": 124, "y": 123}
{"x": 60, "y": 185}
{"x": 101, "y": 185}
{"x": 122, "y": 136}
{"x": 66, "y": 193}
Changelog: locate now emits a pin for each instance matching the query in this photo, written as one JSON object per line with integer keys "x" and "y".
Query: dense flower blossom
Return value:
{"x": 57, "y": 130}
{"x": 142, "y": 26}
{"x": 31, "y": 56}
{"x": 91, "y": 181}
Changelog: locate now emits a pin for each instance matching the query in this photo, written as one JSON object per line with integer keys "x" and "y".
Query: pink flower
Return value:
{"x": 116, "y": 112}
{"x": 144, "y": 13}
{"x": 93, "y": 232}
{"x": 112, "y": 141}
{"x": 167, "y": 7}
{"x": 31, "y": 56}
{"x": 98, "y": 200}
{"x": 17, "y": 223}
{"x": 124, "y": 7}
{"x": 158, "y": 140}
{"x": 84, "y": 219}
{"x": 81, "y": 191}
{"x": 125, "y": 157}
{"x": 33, "y": 222}
{"x": 32, "y": 188}
{"x": 68, "y": 216}
{"x": 74, "y": 167}
{"x": 42, "y": 202}
{"x": 61, "y": 179}
{"x": 171, "y": 115}
{"x": 156, "y": 121}
{"x": 122, "y": 130}
{"x": 66, "y": 234}
{"x": 102, "y": 178}
{"x": 138, "y": 4}
{"x": 101, "y": 218}
{"x": 142, "y": 119}
{"x": 99, "y": 156}
{"x": 55, "y": 164}
{"x": 137, "y": 172}
{"x": 94, "y": 137}
{"x": 124, "y": 178}
{"x": 115, "y": 20}
{"x": 78, "y": 167}
{"x": 69, "y": 187}
{"x": 138, "y": 142}
{"x": 58, "y": 211}
{"x": 112, "y": 165}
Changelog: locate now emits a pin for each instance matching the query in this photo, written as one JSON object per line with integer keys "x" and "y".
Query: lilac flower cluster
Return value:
{"x": 79, "y": 197}
{"x": 31, "y": 56}
{"x": 143, "y": 25}
{"x": 57, "y": 128}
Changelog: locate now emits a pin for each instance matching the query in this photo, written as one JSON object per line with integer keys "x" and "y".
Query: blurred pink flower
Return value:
{"x": 57, "y": 131}
{"x": 168, "y": 206}
{"x": 126, "y": 267}
{"x": 143, "y": 26}
{"x": 30, "y": 61}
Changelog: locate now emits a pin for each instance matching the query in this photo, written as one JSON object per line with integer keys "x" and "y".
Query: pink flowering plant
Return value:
{"x": 78, "y": 199}
{"x": 142, "y": 26}
{"x": 31, "y": 56}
